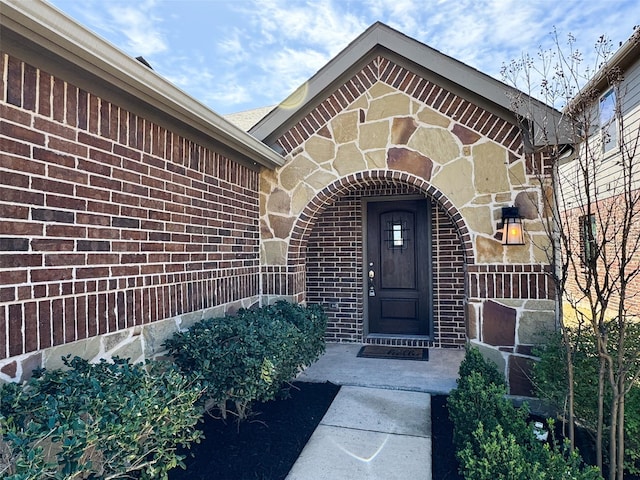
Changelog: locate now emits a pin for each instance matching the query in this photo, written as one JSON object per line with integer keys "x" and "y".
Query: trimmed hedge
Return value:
{"x": 492, "y": 438}
{"x": 250, "y": 356}
{"x": 479, "y": 398}
{"x": 104, "y": 420}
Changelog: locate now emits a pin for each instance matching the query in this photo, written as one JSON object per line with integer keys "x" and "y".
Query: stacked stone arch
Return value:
{"x": 360, "y": 180}
{"x": 318, "y": 249}
{"x": 418, "y": 128}
{"x": 462, "y": 152}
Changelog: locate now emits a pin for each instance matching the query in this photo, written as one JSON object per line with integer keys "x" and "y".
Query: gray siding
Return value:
{"x": 606, "y": 172}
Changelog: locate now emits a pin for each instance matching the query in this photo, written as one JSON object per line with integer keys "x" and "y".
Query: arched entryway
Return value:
{"x": 331, "y": 250}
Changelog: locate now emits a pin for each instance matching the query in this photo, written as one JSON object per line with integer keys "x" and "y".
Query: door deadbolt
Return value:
{"x": 372, "y": 274}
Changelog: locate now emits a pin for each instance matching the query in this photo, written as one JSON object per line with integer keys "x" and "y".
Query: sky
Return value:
{"x": 237, "y": 55}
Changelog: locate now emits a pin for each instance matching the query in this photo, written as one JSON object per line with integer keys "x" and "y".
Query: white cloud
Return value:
{"x": 233, "y": 48}
{"x": 407, "y": 16}
{"x": 139, "y": 25}
{"x": 295, "y": 40}
{"x": 228, "y": 93}
{"x": 322, "y": 25}
{"x": 290, "y": 68}
{"x": 220, "y": 89}
{"x": 132, "y": 26}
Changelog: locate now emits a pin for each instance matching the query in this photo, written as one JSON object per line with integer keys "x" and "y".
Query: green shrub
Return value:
{"x": 491, "y": 435}
{"x": 312, "y": 323}
{"x": 473, "y": 361}
{"x": 550, "y": 375}
{"x": 104, "y": 420}
{"x": 494, "y": 454}
{"x": 249, "y": 356}
{"x": 480, "y": 397}
{"x": 632, "y": 431}
{"x": 550, "y": 381}
{"x": 490, "y": 454}
{"x": 476, "y": 400}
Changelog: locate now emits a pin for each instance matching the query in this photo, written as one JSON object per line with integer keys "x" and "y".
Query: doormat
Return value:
{"x": 394, "y": 353}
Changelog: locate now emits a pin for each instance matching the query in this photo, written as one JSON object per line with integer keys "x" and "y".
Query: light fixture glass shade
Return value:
{"x": 512, "y": 233}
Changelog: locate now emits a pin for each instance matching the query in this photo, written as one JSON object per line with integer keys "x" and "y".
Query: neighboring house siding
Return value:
{"x": 606, "y": 172}
{"x": 111, "y": 223}
{"x": 610, "y": 208}
{"x": 607, "y": 184}
{"x": 630, "y": 97}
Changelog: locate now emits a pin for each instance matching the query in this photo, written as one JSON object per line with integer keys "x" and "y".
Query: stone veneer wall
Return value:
{"x": 114, "y": 230}
{"x": 389, "y": 126}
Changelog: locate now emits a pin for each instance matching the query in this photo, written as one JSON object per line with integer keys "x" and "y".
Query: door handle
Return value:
{"x": 372, "y": 274}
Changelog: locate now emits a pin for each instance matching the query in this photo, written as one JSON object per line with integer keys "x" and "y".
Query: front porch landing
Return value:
{"x": 340, "y": 365}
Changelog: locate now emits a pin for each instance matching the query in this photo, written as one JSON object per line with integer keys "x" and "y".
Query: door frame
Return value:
{"x": 365, "y": 255}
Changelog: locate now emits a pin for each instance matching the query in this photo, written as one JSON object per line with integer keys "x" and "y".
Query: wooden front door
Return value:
{"x": 398, "y": 269}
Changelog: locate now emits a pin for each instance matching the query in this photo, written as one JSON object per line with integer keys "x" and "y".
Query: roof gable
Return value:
{"x": 471, "y": 120}
{"x": 381, "y": 41}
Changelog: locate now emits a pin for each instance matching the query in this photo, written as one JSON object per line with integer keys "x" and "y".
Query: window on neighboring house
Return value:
{"x": 587, "y": 238}
{"x": 608, "y": 124}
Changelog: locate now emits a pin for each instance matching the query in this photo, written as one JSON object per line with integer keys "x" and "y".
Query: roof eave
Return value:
{"x": 61, "y": 35}
{"x": 625, "y": 56}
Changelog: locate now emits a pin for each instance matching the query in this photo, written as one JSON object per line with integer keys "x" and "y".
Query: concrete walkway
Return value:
{"x": 370, "y": 433}
{"x": 379, "y": 425}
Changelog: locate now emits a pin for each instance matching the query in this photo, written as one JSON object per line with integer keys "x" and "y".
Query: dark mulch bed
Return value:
{"x": 264, "y": 447}
{"x": 444, "y": 462}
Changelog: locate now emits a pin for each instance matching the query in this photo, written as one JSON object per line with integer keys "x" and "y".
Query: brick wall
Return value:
{"x": 449, "y": 281}
{"x": 109, "y": 220}
{"x": 334, "y": 268}
{"x": 609, "y": 222}
{"x": 334, "y": 271}
{"x": 511, "y": 281}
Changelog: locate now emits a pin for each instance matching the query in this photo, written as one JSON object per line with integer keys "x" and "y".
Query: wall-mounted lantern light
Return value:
{"x": 512, "y": 232}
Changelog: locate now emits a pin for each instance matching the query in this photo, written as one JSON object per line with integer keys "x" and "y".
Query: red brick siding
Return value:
{"x": 609, "y": 218}
{"x": 334, "y": 259}
{"x": 511, "y": 281}
{"x": 334, "y": 268}
{"x": 282, "y": 280}
{"x": 448, "y": 281}
{"x": 108, "y": 220}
